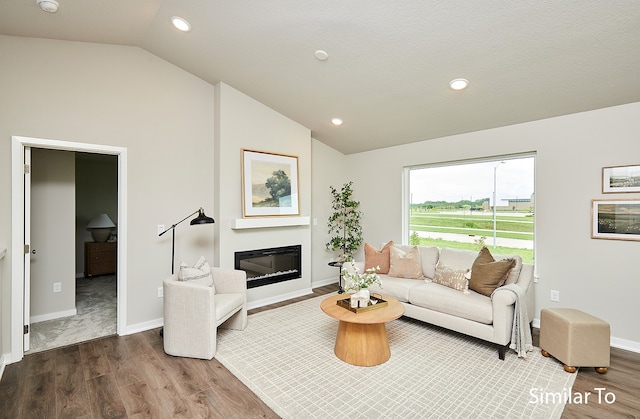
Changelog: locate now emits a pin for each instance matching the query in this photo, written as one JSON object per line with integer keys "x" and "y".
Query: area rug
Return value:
{"x": 96, "y": 306}
{"x": 285, "y": 356}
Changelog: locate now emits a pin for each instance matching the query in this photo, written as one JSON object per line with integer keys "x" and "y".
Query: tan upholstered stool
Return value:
{"x": 575, "y": 338}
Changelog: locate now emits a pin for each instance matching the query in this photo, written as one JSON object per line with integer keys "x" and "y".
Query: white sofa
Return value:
{"x": 474, "y": 314}
{"x": 193, "y": 310}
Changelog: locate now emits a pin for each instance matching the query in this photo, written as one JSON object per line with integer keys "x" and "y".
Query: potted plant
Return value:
{"x": 344, "y": 224}
{"x": 360, "y": 283}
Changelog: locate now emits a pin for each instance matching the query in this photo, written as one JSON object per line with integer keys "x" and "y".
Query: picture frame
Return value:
{"x": 615, "y": 219}
{"x": 269, "y": 184}
{"x": 621, "y": 179}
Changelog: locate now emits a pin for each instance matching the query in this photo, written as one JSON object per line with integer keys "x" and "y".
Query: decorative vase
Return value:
{"x": 360, "y": 298}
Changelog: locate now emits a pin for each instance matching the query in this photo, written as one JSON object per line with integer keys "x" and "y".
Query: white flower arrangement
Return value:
{"x": 357, "y": 280}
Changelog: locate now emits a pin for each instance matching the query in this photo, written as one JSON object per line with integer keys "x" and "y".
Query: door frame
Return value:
{"x": 18, "y": 144}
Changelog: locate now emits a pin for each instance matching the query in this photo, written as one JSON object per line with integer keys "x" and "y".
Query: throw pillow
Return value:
{"x": 449, "y": 277}
{"x": 405, "y": 264}
{"x": 199, "y": 273}
{"x": 374, "y": 257}
{"x": 487, "y": 274}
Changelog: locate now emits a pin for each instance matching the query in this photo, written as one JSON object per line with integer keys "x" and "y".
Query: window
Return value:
{"x": 471, "y": 204}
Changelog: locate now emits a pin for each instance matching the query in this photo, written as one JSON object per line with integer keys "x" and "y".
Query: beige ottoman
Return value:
{"x": 575, "y": 338}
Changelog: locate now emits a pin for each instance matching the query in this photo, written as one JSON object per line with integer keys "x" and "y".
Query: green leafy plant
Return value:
{"x": 357, "y": 280}
{"x": 480, "y": 242}
{"x": 414, "y": 238}
{"x": 345, "y": 230}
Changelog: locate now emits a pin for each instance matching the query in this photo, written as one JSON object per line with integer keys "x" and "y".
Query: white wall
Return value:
{"x": 242, "y": 122}
{"x": 597, "y": 276}
{"x": 124, "y": 97}
{"x": 328, "y": 169}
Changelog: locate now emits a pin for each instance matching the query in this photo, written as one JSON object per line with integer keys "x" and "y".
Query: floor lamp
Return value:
{"x": 200, "y": 219}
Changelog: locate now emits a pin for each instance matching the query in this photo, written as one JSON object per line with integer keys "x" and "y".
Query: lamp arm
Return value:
{"x": 174, "y": 225}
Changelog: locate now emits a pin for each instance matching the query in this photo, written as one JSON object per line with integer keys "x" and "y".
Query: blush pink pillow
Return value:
{"x": 405, "y": 265}
{"x": 374, "y": 257}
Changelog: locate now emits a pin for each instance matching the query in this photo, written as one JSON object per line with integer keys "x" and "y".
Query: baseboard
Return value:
{"x": 144, "y": 326}
{"x": 52, "y": 316}
{"x": 279, "y": 298}
{"x": 627, "y": 345}
{"x": 322, "y": 283}
{"x": 3, "y": 362}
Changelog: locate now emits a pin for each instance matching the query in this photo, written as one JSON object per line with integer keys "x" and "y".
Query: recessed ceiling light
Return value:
{"x": 180, "y": 24}
{"x": 321, "y": 55}
{"x": 336, "y": 121}
{"x": 459, "y": 84}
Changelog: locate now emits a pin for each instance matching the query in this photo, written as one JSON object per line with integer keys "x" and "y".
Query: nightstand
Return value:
{"x": 100, "y": 258}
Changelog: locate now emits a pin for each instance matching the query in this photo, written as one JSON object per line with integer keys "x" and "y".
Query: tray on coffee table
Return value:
{"x": 346, "y": 303}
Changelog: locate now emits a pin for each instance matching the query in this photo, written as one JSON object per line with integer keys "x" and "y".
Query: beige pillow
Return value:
{"x": 374, "y": 257}
{"x": 405, "y": 264}
{"x": 449, "y": 277}
{"x": 200, "y": 273}
{"x": 487, "y": 274}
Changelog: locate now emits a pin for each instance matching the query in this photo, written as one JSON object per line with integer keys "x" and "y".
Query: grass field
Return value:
{"x": 525, "y": 254}
{"x": 513, "y": 226}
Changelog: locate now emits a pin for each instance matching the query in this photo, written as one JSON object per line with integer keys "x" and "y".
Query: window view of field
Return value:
{"x": 453, "y": 206}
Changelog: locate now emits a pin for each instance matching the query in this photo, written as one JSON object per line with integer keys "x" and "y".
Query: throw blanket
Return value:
{"x": 520, "y": 332}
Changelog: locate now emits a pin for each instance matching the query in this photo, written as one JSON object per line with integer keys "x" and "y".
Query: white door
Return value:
{"x": 51, "y": 282}
{"x": 27, "y": 241}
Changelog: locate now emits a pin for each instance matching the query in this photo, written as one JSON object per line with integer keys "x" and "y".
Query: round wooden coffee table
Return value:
{"x": 362, "y": 337}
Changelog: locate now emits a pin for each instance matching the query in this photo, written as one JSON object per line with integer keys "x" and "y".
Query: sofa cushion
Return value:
{"x": 457, "y": 258}
{"x": 199, "y": 273}
{"x": 449, "y": 277}
{"x": 487, "y": 274}
{"x": 398, "y": 288}
{"x": 428, "y": 258}
{"x": 405, "y": 264}
{"x": 378, "y": 258}
{"x": 472, "y": 306}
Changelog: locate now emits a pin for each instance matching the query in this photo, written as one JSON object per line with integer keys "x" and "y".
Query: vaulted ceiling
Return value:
{"x": 389, "y": 62}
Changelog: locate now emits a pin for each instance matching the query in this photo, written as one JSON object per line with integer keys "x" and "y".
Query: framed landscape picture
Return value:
{"x": 269, "y": 184}
{"x": 619, "y": 179}
{"x": 616, "y": 220}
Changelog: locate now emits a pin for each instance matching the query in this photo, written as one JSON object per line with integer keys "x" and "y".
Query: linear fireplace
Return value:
{"x": 269, "y": 266}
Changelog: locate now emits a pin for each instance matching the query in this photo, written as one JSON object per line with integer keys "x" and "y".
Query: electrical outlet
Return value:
{"x": 555, "y": 295}
{"x": 160, "y": 292}
{"x": 57, "y": 287}
{"x": 160, "y": 228}
{"x": 315, "y": 221}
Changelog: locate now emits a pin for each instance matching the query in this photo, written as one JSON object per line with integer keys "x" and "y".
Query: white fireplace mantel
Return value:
{"x": 244, "y": 223}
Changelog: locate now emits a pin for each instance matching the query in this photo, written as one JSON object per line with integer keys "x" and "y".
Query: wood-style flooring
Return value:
{"x": 132, "y": 377}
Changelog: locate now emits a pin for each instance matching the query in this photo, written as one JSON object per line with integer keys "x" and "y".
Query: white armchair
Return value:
{"x": 193, "y": 312}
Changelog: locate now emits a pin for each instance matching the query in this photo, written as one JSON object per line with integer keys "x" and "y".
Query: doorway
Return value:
{"x": 73, "y": 294}
{"x": 21, "y": 224}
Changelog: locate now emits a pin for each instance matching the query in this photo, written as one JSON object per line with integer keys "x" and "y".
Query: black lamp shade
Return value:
{"x": 202, "y": 219}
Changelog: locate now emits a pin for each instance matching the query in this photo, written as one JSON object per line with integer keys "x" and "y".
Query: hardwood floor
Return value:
{"x": 132, "y": 377}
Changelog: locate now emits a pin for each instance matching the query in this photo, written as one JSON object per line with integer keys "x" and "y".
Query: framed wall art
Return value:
{"x": 618, "y": 179}
{"x": 615, "y": 219}
{"x": 269, "y": 184}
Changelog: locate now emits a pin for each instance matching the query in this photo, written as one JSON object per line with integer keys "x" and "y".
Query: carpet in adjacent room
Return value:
{"x": 96, "y": 306}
